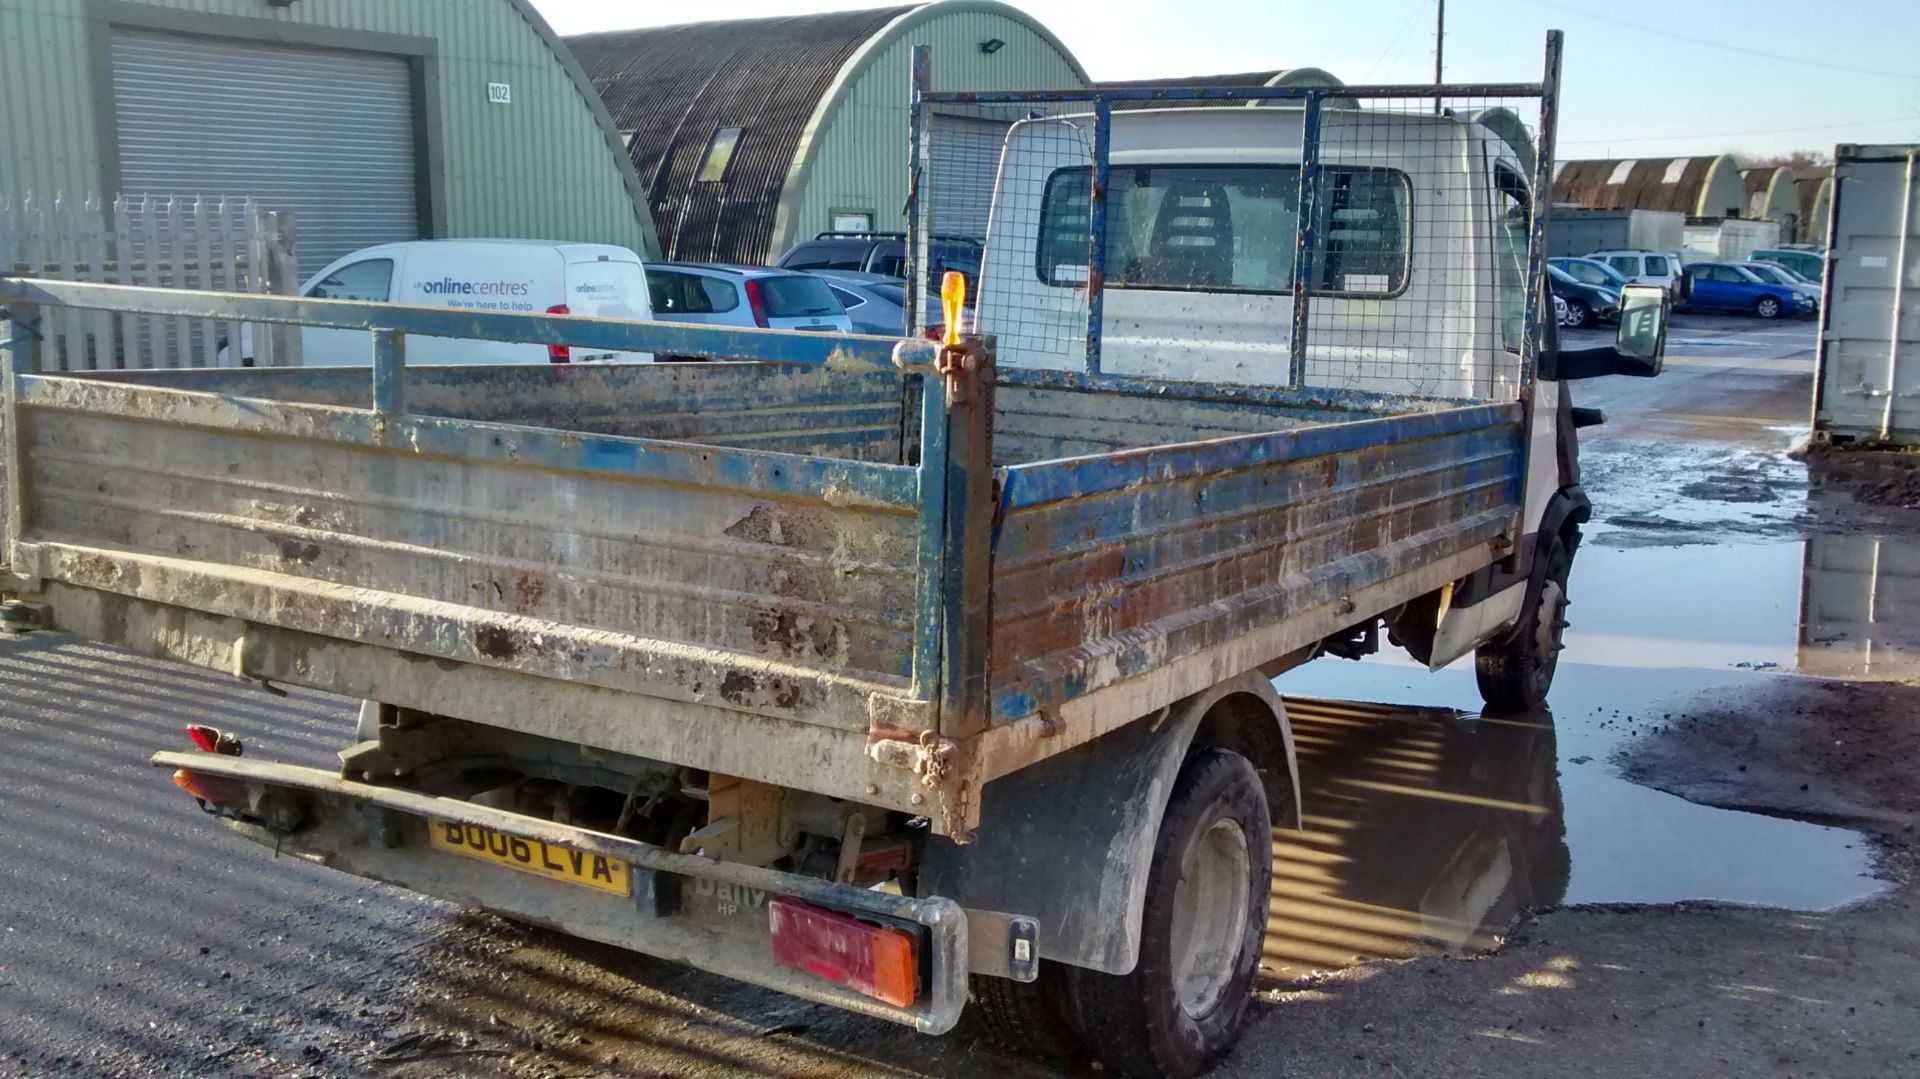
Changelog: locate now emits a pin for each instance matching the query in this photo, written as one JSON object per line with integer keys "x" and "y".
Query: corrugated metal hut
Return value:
{"x": 1773, "y": 194}
{"x": 753, "y": 134}
{"x": 369, "y": 120}
{"x": 1695, "y": 186}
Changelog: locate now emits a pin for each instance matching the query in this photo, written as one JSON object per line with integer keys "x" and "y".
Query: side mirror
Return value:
{"x": 1643, "y": 327}
{"x": 1638, "y": 349}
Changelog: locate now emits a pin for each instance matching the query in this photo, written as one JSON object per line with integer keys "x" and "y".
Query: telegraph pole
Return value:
{"x": 1439, "y": 49}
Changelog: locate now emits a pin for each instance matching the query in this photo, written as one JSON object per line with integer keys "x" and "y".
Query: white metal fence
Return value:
{"x": 211, "y": 244}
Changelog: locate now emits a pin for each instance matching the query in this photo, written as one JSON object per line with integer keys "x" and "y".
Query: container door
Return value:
{"x": 1868, "y": 371}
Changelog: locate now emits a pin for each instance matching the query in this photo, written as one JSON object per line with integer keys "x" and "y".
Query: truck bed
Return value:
{"x": 744, "y": 567}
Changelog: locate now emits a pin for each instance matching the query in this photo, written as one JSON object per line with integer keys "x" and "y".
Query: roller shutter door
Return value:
{"x": 965, "y": 159}
{"x": 325, "y": 134}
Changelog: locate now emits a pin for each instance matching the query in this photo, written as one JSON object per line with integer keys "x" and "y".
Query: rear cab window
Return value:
{"x": 1628, "y": 265}
{"x": 1657, "y": 266}
{"x": 1229, "y": 228}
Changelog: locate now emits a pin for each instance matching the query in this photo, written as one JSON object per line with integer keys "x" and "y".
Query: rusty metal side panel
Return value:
{"x": 779, "y": 408}
{"x": 1108, "y": 567}
{"x": 1040, "y": 423}
{"x": 772, "y": 583}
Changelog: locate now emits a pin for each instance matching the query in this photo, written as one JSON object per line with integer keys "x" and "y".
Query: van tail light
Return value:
{"x": 875, "y": 961}
{"x": 559, "y": 353}
{"x": 756, "y": 302}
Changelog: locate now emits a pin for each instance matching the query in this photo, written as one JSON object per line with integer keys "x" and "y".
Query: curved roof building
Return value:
{"x": 1695, "y": 186}
{"x": 752, "y": 134}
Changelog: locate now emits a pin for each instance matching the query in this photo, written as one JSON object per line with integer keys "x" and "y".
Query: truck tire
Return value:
{"x": 1516, "y": 673}
{"x": 1767, "y": 307}
{"x": 1028, "y": 1019}
{"x": 1184, "y": 1002}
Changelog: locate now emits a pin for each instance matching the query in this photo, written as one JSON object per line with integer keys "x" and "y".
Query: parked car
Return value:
{"x": 514, "y": 276}
{"x": 875, "y": 302}
{"x": 884, "y": 253}
{"x": 1590, "y": 272}
{"x": 1780, "y": 275}
{"x": 1586, "y": 304}
{"x": 1728, "y": 286}
{"x": 1661, "y": 268}
{"x": 1559, "y": 310}
{"x": 717, "y": 294}
{"x": 1811, "y": 265}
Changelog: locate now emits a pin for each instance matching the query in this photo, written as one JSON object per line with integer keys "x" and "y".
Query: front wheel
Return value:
{"x": 1515, "y": 674}
{"x": 1767, "y": 307}
{"x": 1578, "y": 314}
{"x": 1186, "y": 999}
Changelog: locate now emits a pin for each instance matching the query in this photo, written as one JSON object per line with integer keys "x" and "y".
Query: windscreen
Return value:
{"x": 798, "y": 296}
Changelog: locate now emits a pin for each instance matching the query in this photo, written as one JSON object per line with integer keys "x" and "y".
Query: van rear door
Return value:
{"x": 608, "y": 286}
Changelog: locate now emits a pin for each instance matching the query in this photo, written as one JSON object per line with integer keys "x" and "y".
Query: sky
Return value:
{"x": 1640, "y": 78}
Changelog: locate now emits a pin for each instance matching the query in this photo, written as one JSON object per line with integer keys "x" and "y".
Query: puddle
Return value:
{"x": 1427, "y": 827}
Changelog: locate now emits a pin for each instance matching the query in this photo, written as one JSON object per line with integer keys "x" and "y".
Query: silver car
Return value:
{"x": 876, "y": 303}
{"x": 715, "y": 294}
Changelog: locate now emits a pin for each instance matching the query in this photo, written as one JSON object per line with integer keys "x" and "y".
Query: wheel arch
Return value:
{"x": 1070, "y": 841}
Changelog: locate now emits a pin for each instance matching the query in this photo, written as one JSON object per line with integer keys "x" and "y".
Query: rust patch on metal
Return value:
{"x": 528, "y": 591}
{"x": 98, "y": 571}
{"x": 496, "y": 642}
{"x": 292, "y": 549}
{"x": 800, "y": 636}
{"x": 749, "y": 690}
{"x": 782, "y": 527}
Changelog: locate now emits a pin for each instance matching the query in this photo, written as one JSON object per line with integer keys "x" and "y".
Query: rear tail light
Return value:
{"x": 213, "y": 740}
{"x": 875, "y": 961}
{"x": 756, "y": 302}
{"x": 559, "y": 353}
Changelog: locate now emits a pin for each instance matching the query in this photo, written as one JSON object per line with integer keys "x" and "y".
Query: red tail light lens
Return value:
{"x": 875, "y": 961}
{"x": 559, "y": 353}
{"x": 207, "y": 738}
{"x": 756, "y": 303}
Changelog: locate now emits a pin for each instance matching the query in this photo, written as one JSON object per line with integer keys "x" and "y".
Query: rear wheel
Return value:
{"x": 1516, "y": 673}
{"x": 1767, "y": 307}
{"x": 1183, "y": 1004}
{"x": 1578, "y": 314}
{"x": 1027, "y": 1018}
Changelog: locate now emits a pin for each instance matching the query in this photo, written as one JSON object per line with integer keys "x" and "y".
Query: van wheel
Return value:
{"x": 1516, "y": 673}
{"x": 1026, "y": 1018}
{"x": 1578, "y": 314}
{"x": 1186, "y": 999}
{"x": 1767, "y": 307}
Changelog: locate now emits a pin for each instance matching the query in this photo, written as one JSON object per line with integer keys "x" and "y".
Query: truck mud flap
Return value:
{"x": 711, "y": 915}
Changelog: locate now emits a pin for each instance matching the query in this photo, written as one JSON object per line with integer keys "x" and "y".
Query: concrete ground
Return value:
{"x": 1557, "y": 894}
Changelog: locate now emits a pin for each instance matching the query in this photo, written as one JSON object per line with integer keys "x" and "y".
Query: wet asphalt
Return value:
{"x": 138, "y": 938}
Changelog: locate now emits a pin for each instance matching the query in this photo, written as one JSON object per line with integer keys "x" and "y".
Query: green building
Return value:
{"x": 752, "y": 134}
{"x": 369, "y": 120}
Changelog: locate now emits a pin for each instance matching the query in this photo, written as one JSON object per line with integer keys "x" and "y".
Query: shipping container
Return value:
{"x": 1729, "y": 239}
{"x": 1867, "y": 370}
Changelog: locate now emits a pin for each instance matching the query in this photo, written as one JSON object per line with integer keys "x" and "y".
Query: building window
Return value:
{"x": 853, "y": 221}
{"x": 713, "y": 166}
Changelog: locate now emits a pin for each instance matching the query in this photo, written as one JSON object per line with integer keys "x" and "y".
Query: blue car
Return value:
{"x": 1726, "y": 286}
{"x": 1586, "y": 304}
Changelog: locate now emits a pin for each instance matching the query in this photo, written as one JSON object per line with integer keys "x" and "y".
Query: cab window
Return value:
{"x": 368, "y": 279}
{"x": 1626, "y": 264}
{"x": 1229, "y": 228}
{"x": 1656, "y": 266}
{"x": 1513, "y": 218}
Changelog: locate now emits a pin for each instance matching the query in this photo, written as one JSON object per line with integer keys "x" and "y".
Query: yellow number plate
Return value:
{"x": 549, "y": 860}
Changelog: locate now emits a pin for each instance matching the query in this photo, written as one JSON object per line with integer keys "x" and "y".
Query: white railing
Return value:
{"x": 208, "y": 244}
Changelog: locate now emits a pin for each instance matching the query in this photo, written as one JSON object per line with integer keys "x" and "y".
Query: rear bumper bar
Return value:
{"x": 706, "y": 914}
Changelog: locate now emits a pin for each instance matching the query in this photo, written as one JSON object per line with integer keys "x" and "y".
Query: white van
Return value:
{"x": 517, "y": 276}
